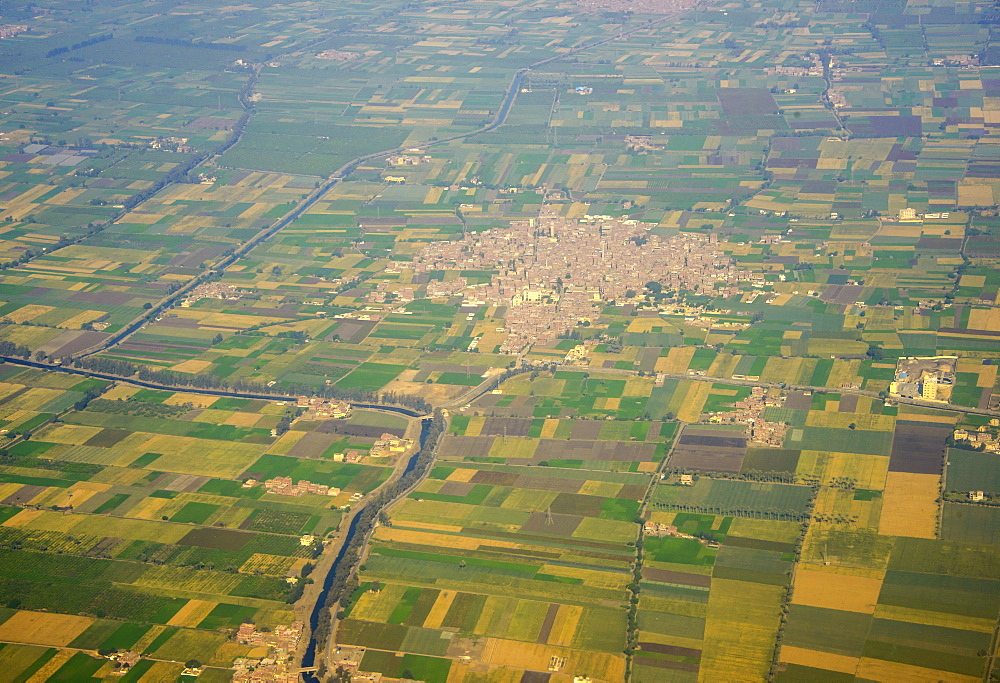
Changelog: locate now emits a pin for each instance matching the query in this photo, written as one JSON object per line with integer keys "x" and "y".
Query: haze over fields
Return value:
{"x": 529, "y": 341}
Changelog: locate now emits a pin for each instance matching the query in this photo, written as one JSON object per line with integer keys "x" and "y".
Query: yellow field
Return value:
{"x": 607, "y": 403}
{"x": 900, "y": 230}
{"x": 591, "y": 577}
{"x": 436, "y": 540}
{"x": 549, "y": 428}
{"x": 462, "y": 475}
{"x": 242, "y": 419}
{"x": 32, "y": 399}
{"x": 637, "y": 387}
{"x": 129, "y": 529}
{"x": 475, "y": 672}
{"x": 987, "y": 376}
{"x": 819, "y": 660}
{"x": 77, "y": 494}
{"x": 536, "y": 657}
{"x": 929, "y": 618}
{"x": 192, "y": 366}
{"x": 475, "y": 426}
{"x": 43, "y": 628}
{"x": 51, "y": 666}
{"x": 186, "y": 455}
{"x": 984, "y": 318}
{"x": 431, "y": 511}
{"x": 29, "y": 312}
{"x": 606, "y": 489}
{"x": 9, "y": 489}
{"x": 646, "y": 324}
{"x": 723, "y": 365}
{"x": 440, "y": 609}
{"x": 23, "y": 518}
{"x": 907, "y": 413}
{"x": 868, "y": 471}
{"x": 565, "y": 625}
{"x": 495, "y": 615}
{"x": 910, "y": 505}
{"x": 597, "y": 529}
{"x": 861, "y": 420}
{"x": 740, "y": 631}
{"x": 77, "y": 321}
{"x": 73, "y": 435}
{"x": 272, "y": 565}
{"x": 677, "y": 360}
{"x": 119, "y": 391}
{"x": 971, "y": 194}
{"x": 844, "y": 370}
{"x": 880, "y": 670}
{"x": 192, "y": 613}
{"x": 782, "y": 370}
{"x": 148, "y": 508}
{"x": 197, "y": 400}
{"x": 834, "y": 590}
{"x": 513, "y": 447}
{"x": 378, "y": 606}
{"x": 434, "y": 527}
{"x": 690, "y": 408}
{"x": 285, "y": 442}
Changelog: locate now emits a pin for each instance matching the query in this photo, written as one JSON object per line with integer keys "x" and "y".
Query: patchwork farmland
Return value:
{"x": 523, "y": 341}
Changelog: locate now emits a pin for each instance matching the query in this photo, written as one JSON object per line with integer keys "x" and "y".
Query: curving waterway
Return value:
{"x": 309, "y": 659}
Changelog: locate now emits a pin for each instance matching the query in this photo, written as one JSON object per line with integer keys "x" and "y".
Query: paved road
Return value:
{"x": 483, "y": 387}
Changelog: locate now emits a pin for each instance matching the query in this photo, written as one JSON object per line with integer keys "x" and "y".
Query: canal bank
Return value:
{"x": 348, "y": 552}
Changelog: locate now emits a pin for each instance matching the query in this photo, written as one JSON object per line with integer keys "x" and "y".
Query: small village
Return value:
{"x": 750, "y": 412}
{"x": 284, "y": 486}
{"x": 210, "y": 290}
{"x": 274, "y": 668}
{"x": 981, "y": 438}
{"x": 668, "y": 530}
{"x": 316, "y": 408}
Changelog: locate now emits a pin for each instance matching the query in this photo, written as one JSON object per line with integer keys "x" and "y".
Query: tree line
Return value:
{"x": 77, "y": 46}
{"x": 126, "y": 369}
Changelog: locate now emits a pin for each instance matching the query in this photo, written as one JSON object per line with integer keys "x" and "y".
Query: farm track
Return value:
{"x": 481, "y": 389}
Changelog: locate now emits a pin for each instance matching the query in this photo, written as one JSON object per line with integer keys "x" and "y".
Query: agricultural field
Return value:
{"x": 507, "y": 565}
{"x": 651, "y": 267}
{"x": 136, "y": 519}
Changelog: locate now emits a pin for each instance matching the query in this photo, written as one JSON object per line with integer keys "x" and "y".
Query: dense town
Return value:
{"x": 556, "y": 272}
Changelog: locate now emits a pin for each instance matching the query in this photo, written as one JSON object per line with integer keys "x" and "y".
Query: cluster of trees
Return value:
{"x": 91, "y": 395}
{"x": 284, "y": 424}
{"x": 169, "y": 379}
{"x": 133, "y": 406}
{"x": 634, "y": 588}
{"x": 747, "y": 475}
{"x": 179, "y": 42}
{"x": 9, "y": 348}
{"x": 77, "y": 46}
{"x": 45, "y": 464}
{"x": 296, "y": 591}
{"x": 750, "y": 512}
{"x": 964, "y": 444}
